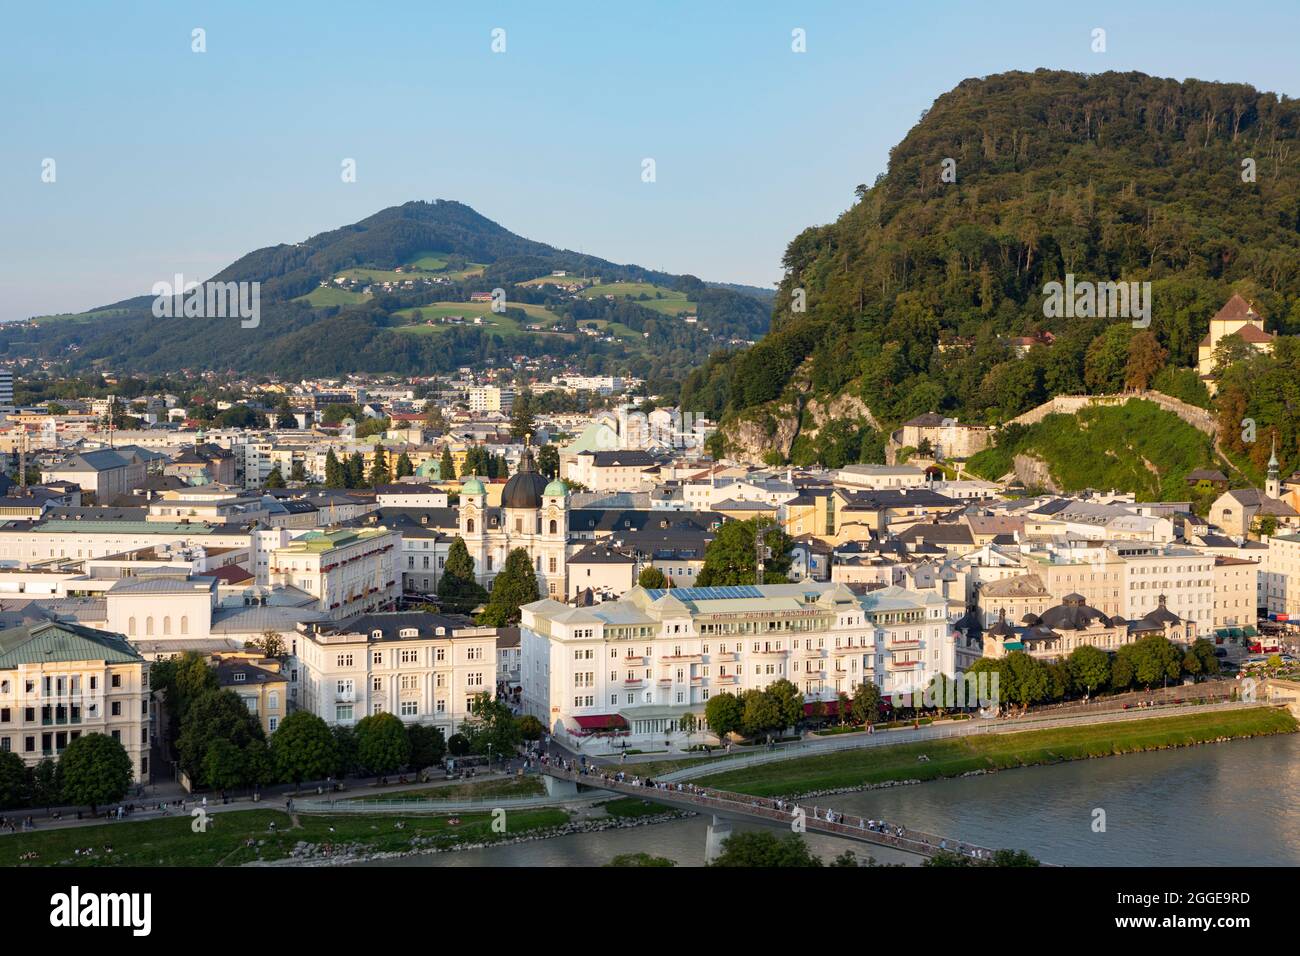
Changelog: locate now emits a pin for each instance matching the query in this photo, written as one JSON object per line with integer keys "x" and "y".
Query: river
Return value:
{"x": 1228, "y": 804}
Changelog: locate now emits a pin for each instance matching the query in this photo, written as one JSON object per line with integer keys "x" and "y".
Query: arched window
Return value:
{"x": 469, "y": 525}
{"x": 130, "y": 625}
{"x": 167, "y": 624}
{"x": 185, "y": 623}
{"x": 148, "y": 626}
{"x": 554, "y": 526}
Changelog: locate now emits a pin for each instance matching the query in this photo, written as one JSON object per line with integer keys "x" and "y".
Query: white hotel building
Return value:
{"x": 422, "y": 667}
{"x": 644, "y": 661}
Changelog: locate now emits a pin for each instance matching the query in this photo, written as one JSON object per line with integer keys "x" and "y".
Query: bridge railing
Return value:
{"x": 725, "y": 801}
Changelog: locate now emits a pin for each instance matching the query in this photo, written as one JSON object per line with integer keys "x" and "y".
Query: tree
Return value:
{"x": 275, "y": 479}
{"x": 763, "y": 849}
{"x": 1089, "y": 668}
{"x": 724, "y": 713}
{"x": 96, "y": 770}
{"x": 515, "y": 586}
{"x": 259, "y": 769}
{"x": 521, "y": 416}
{"x": 404, "y": 466}
{"x": 354, "y": 471}
{"x": 269, "y": 643}
{"x": 346, "y": 759}
{"x": 458, "y": 588}
{"x": 303, "y": 748}
{"x": 729, "y": 557}
{"x": 223, "y": 766}
{"x": 14, "y": 788}
{"x": 47, "y": 784}
{"x": 297, "y": 471}
{"x": 382, "y": 746}
{"x": 458, "y": 745}
{"x": 335, "y": 476}
{"x": 1146, "y": 357}
{"x": 1029, "y": 682}
{"x": 866, "y": 702}
{"x": 214, "y": 715}
{"x": 427, "y": 745}
{"x": 1155, "y": 659}
{"x": 762, "y": 713}
{"x": 530, "y": 728}
{"x": 548, "y": 461}
{"x": 789, "y": 701}
{"x": 1204, "y": 651}
{"x": 446, "y": 467}
{"x": 491, "y": 727}
{"x": 286, "y": 420}
{"x": 651, "y": 578}
{"x": 379, "y": 467}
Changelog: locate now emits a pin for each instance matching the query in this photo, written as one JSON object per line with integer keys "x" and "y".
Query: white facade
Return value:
{"x": 652, "y": 657}
{"x": 426, "y": 675}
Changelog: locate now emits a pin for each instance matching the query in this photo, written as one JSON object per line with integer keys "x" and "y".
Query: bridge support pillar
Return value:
{"x": 556, "y": 787}
{"x": 719, "y": 830}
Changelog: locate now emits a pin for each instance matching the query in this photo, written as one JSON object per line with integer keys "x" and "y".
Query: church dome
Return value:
{"x": 472, "y": 486}
{"x": 525, "y": 488}
{"x": 556, "y": 489}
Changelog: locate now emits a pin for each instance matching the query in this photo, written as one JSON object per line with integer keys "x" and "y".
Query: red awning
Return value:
{"x": 832, "y": 707}
{"x": 601, "y": 722}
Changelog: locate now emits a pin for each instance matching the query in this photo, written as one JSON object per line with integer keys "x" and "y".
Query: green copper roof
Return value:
{"x": 556, "y": 489}
{"x": 54, "y": 641}
{"x": 472, "y": 486}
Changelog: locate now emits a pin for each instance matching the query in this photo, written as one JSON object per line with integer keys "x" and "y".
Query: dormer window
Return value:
{"x": 239, "y": 677}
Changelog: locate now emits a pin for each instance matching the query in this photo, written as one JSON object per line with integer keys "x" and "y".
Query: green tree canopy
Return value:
{"x": 96, "y": 770}
{"x": 382, "y": 745}
{"x": 303, "y": 748}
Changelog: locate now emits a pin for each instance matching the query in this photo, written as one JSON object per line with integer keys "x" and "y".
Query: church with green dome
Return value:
{"x": 533, "y": 515}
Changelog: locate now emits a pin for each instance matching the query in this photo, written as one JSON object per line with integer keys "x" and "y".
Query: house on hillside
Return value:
{"x": 1237, "y": 317}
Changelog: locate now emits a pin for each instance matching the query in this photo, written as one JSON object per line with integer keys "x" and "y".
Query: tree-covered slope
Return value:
{"x": 339, "y": 332}
{"x": 912, "y": 293}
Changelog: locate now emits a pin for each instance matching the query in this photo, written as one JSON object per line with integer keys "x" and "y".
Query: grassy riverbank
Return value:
{"x": 172, "y": 842}
{"x": 955, "y": 756}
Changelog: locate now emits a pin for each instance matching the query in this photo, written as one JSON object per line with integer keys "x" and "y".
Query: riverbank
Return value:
{"x": 274, "y": 838}
{"x": 850, "y": 770}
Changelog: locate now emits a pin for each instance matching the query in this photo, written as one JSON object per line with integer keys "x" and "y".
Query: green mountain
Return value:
{"x": 910, "y": 297}
{"x": 423, "y": 321}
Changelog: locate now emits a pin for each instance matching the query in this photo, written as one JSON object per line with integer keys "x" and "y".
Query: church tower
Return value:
{"x": 1273, "y": 483}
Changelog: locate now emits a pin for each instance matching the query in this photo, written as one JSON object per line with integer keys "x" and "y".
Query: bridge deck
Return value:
{"x": 727, "y": 803}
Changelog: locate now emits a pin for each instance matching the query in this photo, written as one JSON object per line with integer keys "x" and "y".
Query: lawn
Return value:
{"x": 955, "y": 756}
{"x": 631, "y": 807}
{"x": 172, "y": 841}
{"x": 660, "y": 298}
{"x": 470, "y": 790}
{"x": 325, "y": 295}
{"x": 500, "y": 323}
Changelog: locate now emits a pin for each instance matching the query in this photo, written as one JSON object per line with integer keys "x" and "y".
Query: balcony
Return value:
{"x": 683, "y": 658}
{"x": 724, "y": 657}
{"x": 893, "y": 665}
{"x": 725, "y": 679}
{"x": 771, "y": 652}
{"x": 899, "y": 644}
{"x": 634, "y": 682}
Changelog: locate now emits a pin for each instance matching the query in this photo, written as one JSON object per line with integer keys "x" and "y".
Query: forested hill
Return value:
{"x": 393, "y": 293}
{"x": 912, "y": 293}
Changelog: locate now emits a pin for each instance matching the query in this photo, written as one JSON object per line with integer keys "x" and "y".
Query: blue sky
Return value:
{"x": 171, "y": 161}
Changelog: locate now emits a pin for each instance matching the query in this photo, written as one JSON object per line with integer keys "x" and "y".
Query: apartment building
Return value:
{"x": 1282, "y": 576}
{"x": 1235, "y": 592}
{"x": 641, "y": 663}
{"x": 424, "y": 668}
{"x": 59, "y": 681}
{"x": 349, "y": 571}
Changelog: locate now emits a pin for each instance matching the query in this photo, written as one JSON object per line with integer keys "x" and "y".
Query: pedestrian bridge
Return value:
{"x": 726, "y": 806}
